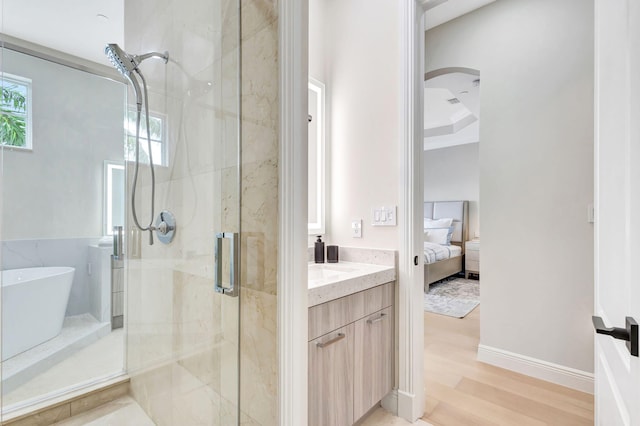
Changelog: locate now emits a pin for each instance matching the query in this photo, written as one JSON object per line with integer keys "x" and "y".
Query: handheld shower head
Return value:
{"x": 125, "y": 64}
{"x": 120, "y": 59}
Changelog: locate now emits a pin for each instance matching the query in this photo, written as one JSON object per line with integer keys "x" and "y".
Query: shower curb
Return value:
{"x": 70, "y": 404}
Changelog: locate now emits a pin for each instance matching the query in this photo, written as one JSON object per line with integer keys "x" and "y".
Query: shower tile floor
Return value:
{"x": 122, "y": 412}
{"x": 126, "y": 412}
{"x": 101, "y": 358}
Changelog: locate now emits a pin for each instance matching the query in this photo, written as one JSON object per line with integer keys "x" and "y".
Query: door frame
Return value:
{"x": 293, "y": 204}
{"x": 408, "y": 401}
{"x": 411, "y": 389}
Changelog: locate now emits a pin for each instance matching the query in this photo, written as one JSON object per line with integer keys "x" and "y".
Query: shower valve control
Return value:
{"x": 165, "y": 226}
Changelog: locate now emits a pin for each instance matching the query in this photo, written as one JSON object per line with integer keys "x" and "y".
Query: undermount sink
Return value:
{"x": 327, "y": 270}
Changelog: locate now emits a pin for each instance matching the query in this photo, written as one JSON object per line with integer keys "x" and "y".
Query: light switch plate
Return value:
{"x": 384, "y": 216}
{"x": 356, "y": 228}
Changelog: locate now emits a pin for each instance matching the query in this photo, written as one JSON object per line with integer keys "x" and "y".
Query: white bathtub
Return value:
{"x": 34, "y": 301}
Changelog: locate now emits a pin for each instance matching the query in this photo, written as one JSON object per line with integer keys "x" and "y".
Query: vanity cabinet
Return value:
{"x": 350, "y": 355}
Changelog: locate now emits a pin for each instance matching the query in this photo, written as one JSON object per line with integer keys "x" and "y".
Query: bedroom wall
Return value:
{"x": 536, "y": 171}
{"x": 363, "y": 95}
{"x": 440, "y": 184}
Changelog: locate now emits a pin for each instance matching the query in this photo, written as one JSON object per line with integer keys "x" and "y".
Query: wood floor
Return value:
{"x": 464, "y": 392}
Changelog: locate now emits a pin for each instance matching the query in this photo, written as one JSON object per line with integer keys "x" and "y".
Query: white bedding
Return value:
{"x": 435, "y": 252}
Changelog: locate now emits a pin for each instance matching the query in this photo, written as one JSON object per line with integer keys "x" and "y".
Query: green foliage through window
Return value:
{"x": 13, "y": 113}
{"x": 156, "y": 128}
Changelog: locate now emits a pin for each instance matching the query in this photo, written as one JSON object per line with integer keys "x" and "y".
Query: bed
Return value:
{"x": 442, "y": 261}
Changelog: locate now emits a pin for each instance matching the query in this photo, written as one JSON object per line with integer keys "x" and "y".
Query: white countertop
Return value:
{"x": 328, "y": 281}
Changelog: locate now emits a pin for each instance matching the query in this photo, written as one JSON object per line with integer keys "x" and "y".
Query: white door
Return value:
{"x": 617, "y": 202}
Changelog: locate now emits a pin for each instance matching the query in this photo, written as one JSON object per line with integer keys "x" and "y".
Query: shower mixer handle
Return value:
{"x": 165, "y": 227}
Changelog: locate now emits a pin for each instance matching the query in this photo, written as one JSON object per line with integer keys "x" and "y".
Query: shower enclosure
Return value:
{"x": 164, "y": 315}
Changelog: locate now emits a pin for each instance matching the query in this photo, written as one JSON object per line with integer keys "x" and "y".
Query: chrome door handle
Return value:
{"x": 339, "y": 337}
{"x": 629, "y": 334}
{"x": 232, "y": 290}
{"x": 374, "y": 320}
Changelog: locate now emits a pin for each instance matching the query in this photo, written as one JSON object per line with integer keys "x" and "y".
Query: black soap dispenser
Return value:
{"x": 319, "y": 250}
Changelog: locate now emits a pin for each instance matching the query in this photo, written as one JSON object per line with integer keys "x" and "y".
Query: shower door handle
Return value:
{"x": 232, "y": 290}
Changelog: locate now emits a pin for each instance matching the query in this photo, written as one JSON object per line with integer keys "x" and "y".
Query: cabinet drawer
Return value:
{"x": 473, "y": 255}
{"x": 472, "y": 265}
{"x": 337, "y": 313}
{"x": 378, "y": 298}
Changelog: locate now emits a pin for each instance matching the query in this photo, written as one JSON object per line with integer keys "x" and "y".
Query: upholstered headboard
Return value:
{"x": 458, "y": 210}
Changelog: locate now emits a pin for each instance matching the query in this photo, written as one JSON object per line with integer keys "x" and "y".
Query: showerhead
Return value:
{"x": 120, "y": 59}
{"x": 126, "y": 64}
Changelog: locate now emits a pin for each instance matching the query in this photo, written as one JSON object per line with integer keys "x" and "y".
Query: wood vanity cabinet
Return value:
{"x": 350, "y": 355}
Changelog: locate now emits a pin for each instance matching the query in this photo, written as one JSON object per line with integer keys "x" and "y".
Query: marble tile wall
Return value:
{"x": 259, "y": 213}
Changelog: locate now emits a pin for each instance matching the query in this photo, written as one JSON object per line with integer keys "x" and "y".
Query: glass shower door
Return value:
{"x": 62, "y": 168}
{"x": 182, "y": 329}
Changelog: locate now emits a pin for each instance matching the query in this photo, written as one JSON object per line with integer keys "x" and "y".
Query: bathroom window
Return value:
{"x": 15, "y": 110}
{"x": 158, "y": 146}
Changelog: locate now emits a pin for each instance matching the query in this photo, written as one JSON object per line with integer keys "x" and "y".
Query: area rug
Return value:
{"x": 455, "y": 297}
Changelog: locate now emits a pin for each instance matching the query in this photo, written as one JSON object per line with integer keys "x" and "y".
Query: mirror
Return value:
{"x": 316, "y": 163}
{"x": 114, "y": 206}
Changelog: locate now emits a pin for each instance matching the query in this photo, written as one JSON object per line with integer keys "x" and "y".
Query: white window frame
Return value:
{"x": 143, "y": 136}
{"x": 28, "y": 127}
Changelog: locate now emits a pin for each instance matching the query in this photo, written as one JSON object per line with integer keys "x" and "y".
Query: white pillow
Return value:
{"x": 440, "y": 236}
{"x": 437, "y": 223}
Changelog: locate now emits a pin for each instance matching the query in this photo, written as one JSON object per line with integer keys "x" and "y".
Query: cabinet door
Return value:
{"x": 373, "y": 377}
{"x": 331, "y": 378}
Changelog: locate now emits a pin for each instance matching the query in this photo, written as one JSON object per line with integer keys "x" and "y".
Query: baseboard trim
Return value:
{"x": 407, "y": 404}
{"x": 390, "y": 402}
{"x": 543, "y": 370}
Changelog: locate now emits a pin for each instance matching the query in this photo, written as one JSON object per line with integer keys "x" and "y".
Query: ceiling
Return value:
{"x": 78, "y": 27}
{"x": 441, "y": 11}
{"x": 447, "y": 124}
{"x": 83, "y": 27}
{"x": 451, "y": 110}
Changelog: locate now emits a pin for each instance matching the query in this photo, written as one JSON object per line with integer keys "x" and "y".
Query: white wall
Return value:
{"x": 56, "y": 190}
{"x": 317, "y": 61}
{"x": 362, "y": 74}
{"x": 453, "y": 174}
{"x": 536, "y": 171}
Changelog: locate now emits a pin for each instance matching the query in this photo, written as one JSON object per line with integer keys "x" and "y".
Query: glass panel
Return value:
{"x": 57, "y": 293}
{"x": 182, "y": 349}
{"x": 61, "y": 199}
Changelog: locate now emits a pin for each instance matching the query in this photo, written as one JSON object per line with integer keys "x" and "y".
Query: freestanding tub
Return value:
{"x": 34, "y": 301}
